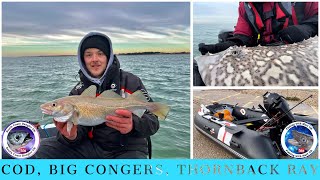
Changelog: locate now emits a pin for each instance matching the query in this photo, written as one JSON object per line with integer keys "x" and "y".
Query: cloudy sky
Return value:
{"x": 36, "y": 28}
{"x": 207, "y": 12}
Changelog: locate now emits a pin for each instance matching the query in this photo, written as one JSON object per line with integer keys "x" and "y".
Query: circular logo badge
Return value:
{"x": 299, "y": 139}
{"x": 20, "y": 140}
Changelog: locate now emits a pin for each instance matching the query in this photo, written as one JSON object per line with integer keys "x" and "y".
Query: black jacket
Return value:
{"x": 108, "y": 138}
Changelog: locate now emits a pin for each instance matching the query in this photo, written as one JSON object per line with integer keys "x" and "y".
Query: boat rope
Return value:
{"x": 45, "y": 130}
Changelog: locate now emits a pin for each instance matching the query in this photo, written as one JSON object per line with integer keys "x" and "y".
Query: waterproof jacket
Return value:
{"x": 123, "y": 83}
{"x": 260, "y": 22}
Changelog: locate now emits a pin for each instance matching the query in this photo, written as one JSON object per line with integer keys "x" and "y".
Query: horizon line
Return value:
{"x": 134, "y": 53}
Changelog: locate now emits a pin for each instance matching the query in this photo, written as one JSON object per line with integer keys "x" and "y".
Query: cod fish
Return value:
{"x": 286, "y": 65}
{"x": 88, "y": 110}
{"x": 18, "y": 139}
{"x": 301, "y": 140}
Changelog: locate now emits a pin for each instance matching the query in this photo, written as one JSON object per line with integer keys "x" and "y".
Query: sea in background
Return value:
{"x": 209, "y": 18}
{"x": 27, "y": 82}
{"x": 208, "y": 32}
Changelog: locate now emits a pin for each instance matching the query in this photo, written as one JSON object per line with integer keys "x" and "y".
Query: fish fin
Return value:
{"x": 160, "y": 110}
{"x": 139, "y": 112}
{"x": 75, "y": 116}
{"x": 138, "y": 95}
{"x": 90, "y": 91}
{"x": 64, "y": 118}
{"x": 61, "y": 118}
{"x": 69, "y": 126}
{"x": 110, "y": 94}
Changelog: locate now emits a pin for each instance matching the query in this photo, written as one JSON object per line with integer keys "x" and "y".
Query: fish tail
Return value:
{"x": 160, "y": 110}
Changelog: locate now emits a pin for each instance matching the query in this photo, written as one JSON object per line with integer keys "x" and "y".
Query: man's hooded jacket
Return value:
{"x": 123, "y": 83}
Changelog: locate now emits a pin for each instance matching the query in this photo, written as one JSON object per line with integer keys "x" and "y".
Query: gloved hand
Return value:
{"x": 203, "y": 48}
{"x": 215, "y": 48}
{"x": 296, "y": 33}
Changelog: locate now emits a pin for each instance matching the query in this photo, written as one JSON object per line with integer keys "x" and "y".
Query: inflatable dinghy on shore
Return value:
{"x": 250, "y": 132}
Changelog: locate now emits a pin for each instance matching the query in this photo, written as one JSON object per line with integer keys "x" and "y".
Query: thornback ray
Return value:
{"x": 286, "y": 65}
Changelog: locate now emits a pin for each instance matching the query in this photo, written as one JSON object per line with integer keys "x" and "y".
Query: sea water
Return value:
{"x": 27, "y": 82}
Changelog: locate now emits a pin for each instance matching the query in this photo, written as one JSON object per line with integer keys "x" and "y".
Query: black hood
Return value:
{"x": 106, "y": 45}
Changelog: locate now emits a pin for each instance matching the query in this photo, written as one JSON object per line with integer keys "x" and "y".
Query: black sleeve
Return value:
{"x": 220, "y": 46}
{"x": 310, "y": 26}
{"x": 307, "y": 25}
{"x": 236, "y": 40}
{"x": 242, "y": 40}
{"x": 148, "y": 124}
{"x": 308, "y": 30}
{"x": 145, "y": 126}
{"x": 82, "y": 132}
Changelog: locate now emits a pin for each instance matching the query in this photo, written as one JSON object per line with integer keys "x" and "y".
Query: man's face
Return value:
{"x": 96, "y": 61}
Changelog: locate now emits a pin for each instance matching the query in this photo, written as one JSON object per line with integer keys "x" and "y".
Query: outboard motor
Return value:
{"x": 277, "y": 109}
{"x": 276, "y": 105}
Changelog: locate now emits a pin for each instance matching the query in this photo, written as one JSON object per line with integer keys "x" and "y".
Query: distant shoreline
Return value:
{"x": 137, "y": 53}
{"x": 150, "y": 53}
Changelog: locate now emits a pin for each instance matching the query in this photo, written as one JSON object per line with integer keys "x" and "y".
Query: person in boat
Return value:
{"x": 265, "y": 23}
{"x": 124, "y": 135}
{"x": 269, "y": 23}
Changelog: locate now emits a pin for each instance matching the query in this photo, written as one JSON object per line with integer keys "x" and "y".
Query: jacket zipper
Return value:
{"x": 99, "y": 89}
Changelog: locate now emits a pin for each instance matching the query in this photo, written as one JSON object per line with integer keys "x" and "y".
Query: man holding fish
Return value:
{"x": 108, "y": 113}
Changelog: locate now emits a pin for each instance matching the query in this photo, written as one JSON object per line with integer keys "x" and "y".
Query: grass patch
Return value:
{"x": 292, "y": 98}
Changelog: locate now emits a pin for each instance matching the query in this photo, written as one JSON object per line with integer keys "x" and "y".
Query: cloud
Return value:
{"x": 39, "y": 23}
{"x": 209, "y": 12}
{"x": 55, "y": 17}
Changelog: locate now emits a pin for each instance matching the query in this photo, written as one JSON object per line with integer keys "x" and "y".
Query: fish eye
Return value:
{"x": 17, "y": 137}
{"x": 234, "y": 52}
{"x": 54, "y": 104}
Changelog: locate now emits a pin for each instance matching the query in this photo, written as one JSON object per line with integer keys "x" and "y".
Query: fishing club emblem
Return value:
{"x": 79, "y": 86}
{"x": 299, "y": 140}
{"x": 20, "y": 140}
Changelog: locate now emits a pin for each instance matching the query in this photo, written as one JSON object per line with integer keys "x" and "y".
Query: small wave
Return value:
{"x": 29, "y": 82}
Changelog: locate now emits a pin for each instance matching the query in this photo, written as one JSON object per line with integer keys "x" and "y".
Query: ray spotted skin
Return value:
{"x": 286, "y": 65}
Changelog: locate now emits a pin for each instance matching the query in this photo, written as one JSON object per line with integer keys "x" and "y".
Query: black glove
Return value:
{"x": 296, "y": 33}
{"x": 203, "y": 48}
{"x": 215, "y": 48}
